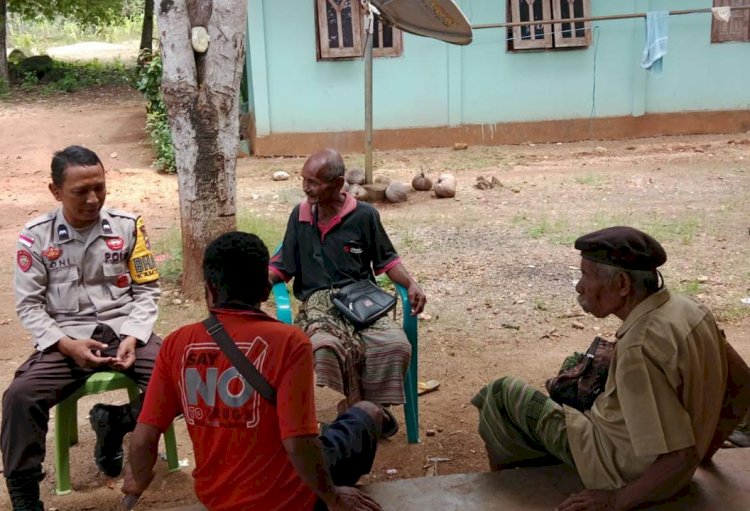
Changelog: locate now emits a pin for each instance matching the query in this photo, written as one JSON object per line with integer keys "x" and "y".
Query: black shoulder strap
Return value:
{"x": 248, "y": 371}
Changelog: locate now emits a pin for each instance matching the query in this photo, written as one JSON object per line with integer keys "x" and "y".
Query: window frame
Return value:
{"x": 326, "y": 53}
{"x": 397, "y": 36}
{"x": 553, "y": 33}
{"x": 721, "y": 31}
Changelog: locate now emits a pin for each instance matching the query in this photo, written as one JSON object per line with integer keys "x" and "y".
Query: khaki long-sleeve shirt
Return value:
{"x": 67, "y": 282}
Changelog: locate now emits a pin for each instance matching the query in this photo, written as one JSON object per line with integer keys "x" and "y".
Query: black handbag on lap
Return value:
{"x": 363, "y": 302}
{"x": 578, "y": 384}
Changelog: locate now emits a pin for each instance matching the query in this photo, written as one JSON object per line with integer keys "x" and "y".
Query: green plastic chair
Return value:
{"x": 66, "y": 424}
{"x": 411, "y": 407}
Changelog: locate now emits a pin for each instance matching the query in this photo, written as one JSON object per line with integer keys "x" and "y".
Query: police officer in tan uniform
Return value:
{"x": 87, "y": 289}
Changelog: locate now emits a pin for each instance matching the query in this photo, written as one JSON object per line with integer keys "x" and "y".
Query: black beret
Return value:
{"x": 622, "y": 246}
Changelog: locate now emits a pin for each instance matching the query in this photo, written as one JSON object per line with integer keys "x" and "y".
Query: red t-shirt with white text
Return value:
{"x": 236, "y": 434}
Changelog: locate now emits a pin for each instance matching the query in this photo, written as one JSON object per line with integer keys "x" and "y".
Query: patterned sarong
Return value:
{"x": 518, "y": 423}
{"x": 367, "y": 364}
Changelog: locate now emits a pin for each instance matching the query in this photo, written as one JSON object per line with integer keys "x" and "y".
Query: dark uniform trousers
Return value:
{"x": 45, "y": 379}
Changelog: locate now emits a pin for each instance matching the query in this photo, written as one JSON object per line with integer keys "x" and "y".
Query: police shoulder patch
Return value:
{"x": 26, "y": 239}
{"x": 142, "y": 264}
{"x": 23, "y": 258}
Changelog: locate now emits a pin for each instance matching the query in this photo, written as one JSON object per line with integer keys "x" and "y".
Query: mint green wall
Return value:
{"x": 436, "y": 84}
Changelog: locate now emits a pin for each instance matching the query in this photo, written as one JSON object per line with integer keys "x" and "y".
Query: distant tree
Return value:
{"x": 85, "y": 12}
{"x": 201, "y": 90}
{"x": 4, "y": 77}
{"x": 147, "y": 29}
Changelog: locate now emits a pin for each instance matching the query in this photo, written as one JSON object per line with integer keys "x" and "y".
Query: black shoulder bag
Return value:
{"x": 579, "y": 384}
{"x": 248, "y": 371}
{"x": 362, "y": 302}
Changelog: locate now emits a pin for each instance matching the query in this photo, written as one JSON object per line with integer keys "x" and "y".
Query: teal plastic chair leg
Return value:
{"x": 411, "y": 407}
{"x": 66, "y": 424}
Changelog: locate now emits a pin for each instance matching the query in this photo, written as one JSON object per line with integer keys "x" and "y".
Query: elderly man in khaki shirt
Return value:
{"x": 674, "y": 393}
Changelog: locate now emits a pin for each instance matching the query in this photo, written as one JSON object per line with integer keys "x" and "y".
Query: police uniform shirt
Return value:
{"x": 67, "y": 281}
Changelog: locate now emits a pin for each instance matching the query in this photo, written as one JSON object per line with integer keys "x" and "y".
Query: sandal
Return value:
{"x": 425, "y": 387}
{"x": 390, "y": 424}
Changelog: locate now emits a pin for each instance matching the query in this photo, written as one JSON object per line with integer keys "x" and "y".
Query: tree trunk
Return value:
{"x": 147, "y": 30}
{"x": 202, "y": 96}
{"x": 4, "y": 76}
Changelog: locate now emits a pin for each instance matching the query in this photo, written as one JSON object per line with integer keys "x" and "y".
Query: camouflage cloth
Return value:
{"x": 366, "y": 364}
{"x": 518, "y": 423}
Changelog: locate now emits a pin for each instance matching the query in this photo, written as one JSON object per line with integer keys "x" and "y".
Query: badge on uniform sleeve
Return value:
{"x": 142, "y": 265}
{"x": 115, "y": 243}
{"x": 52, "y": 253}
{"x": 23, "y": 257}
{"x": 26, "y": 240}
{"x": 62, "y": 232}
{"x": 106, "y": 228}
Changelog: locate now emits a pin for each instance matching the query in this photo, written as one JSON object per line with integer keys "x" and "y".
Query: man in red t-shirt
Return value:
{"x": 250, "y": 454}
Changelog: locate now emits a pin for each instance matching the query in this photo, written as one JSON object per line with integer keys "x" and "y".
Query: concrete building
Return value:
{"x": 305, "y": 78}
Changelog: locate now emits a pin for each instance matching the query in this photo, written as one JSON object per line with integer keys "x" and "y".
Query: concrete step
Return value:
{"x": 724, "y": 486}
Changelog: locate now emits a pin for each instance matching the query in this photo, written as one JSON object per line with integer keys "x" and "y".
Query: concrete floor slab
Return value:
{"x": 725, "y": 486}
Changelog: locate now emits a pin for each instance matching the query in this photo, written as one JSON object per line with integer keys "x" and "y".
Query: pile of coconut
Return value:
{"x": 445, "y": 188}
{"x": 393, "y": 191}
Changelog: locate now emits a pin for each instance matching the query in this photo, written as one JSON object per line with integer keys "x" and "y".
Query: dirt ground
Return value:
{"x": 497, "y": 265}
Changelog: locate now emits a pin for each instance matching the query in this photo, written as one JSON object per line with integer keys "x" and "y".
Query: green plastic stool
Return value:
{"x": 66, "y": 424}
{"x": 411, "y": 407}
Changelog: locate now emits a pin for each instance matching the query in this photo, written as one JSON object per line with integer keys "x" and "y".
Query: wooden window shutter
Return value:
{"x": 572, "y": 34}
{"x": 339, "y": 28}
{"x": 531, "y": 36}
{"x": 387, "y": 41}
{"x": 738, "y": 26}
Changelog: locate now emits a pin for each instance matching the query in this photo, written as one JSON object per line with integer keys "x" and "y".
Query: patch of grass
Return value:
{"x": 689, "y": 287}
{"x": 734, "y": 313}
{"x": 269, "y": 229}
{"x": 593, "y": 180}
{"x": 555, "y": 230}
{"x": 564, "y": 231}
{"x": 409, "y": 240}
{"x": 168, "y": 248}
{"x": 168, "y": 255}
{"x": 36, "y": 36}
{"x": 291, "y": 195}
{"x": 64, "y": 77}
{"x": 680, "y": 229}
{"x": 664, "y": 229}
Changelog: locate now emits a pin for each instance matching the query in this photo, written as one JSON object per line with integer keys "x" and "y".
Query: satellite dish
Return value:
{"x": 439, "y": 19}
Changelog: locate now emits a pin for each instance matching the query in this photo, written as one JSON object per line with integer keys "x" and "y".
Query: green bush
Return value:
{"x": 157, "y": 122}
{"x": 37, "y": 74}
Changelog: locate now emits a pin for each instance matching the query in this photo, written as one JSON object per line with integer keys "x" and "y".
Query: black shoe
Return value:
{"x": 23, "y": 489}
{"x": 110, "y": 425}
